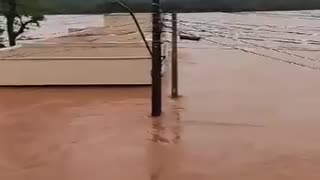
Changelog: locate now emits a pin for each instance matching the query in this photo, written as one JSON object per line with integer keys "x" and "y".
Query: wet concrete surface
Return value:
{"x": 240, "y": 117}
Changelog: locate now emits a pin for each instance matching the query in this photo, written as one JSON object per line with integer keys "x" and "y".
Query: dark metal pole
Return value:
{"x": 174, "y": 61}
{"x": 156, "y": 60}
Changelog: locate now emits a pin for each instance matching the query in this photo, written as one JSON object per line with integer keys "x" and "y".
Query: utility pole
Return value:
{"x": 156, "y": 60}
{"x": 174, "y": 61}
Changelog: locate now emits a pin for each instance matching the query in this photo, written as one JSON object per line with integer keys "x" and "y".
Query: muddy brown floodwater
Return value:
{"x": 240, "y": 117}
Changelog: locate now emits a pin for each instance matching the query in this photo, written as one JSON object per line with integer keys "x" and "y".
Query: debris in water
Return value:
{"x": 190, "y": 37}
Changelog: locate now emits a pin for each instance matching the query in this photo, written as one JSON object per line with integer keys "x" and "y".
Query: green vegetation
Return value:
{"x": 20, "y": 15}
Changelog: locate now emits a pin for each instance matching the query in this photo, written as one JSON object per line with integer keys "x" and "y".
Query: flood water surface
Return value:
{"x": 241, "y": 115}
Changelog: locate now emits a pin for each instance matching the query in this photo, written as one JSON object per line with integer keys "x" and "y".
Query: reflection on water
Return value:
{"x": 164, "y": 148}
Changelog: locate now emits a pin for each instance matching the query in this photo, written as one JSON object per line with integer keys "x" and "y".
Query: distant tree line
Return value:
{"x": 107, "y": 6}
{"x": 238, "y": 5}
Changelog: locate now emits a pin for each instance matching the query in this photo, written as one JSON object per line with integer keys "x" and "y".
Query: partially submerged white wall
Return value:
{"x": 96, "y": 70}
{"x": 75, "y": 72}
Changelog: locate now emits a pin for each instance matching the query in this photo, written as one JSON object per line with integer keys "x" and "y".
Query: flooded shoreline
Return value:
{"x": 252, "y": 25}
